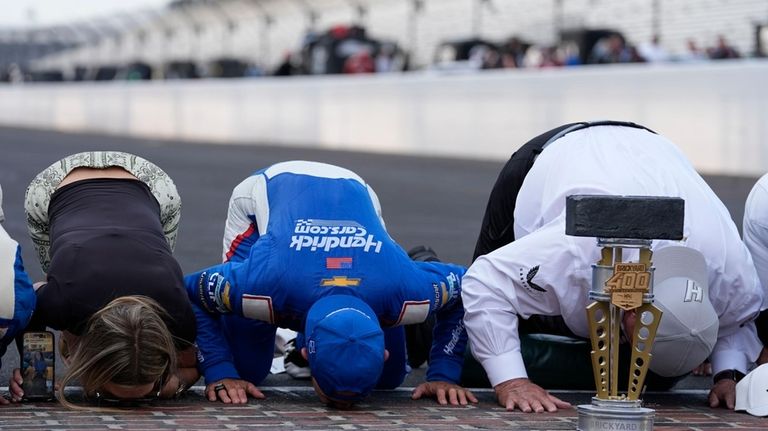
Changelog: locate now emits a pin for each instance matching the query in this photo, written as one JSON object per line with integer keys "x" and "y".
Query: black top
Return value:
{"x": 106, "y": 242}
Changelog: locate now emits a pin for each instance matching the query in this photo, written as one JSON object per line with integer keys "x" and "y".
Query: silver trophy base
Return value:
{"x": 614, "y": 415}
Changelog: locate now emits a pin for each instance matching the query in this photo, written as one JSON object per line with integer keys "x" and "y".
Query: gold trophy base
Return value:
{"x": 622, "y": 414}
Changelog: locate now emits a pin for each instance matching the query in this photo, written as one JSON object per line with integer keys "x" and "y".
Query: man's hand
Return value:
{"x": 445, "y": 393}
{"x": 14, "y": 386}
{"x": 723, "y": 394}
{"x": 527, "y": 397}
{"x": 232, "y": 391}
{"x": 704, "y": 369}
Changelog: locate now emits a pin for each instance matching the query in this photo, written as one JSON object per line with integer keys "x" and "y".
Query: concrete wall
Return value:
{"x": 717, "y": 112}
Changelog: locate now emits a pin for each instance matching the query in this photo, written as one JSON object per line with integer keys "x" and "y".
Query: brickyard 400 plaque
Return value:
{"x": 628, "y": 284}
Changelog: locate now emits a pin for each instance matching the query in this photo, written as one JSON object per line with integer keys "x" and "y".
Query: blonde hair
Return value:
{"x": 126, "y": 343}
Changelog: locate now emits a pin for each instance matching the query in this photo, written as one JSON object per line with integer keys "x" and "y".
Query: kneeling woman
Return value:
{"x": 104, "y": 225}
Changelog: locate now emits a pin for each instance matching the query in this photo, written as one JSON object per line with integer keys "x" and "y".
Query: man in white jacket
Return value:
{"x": 527, "y": 271}
{"x": 755, "y": 230}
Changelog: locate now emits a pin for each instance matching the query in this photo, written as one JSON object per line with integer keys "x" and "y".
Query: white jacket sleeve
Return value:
{"x": 756, "y": 230}
{"x": 491, "y": 321}
{"x": 248, "y": 209}
{"x": 536, "y": 274}
{"x": 737, "y": 350}
{"x": 737, "y": 296}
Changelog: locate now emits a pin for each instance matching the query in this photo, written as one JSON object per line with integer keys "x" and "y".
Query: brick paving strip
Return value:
{"x": 297, "y": 408}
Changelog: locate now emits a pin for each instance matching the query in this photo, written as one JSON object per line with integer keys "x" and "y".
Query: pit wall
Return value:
{"x": 716, "y": 112}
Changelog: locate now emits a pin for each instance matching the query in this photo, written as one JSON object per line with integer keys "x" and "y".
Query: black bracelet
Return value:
{"x": 734, "y": 375}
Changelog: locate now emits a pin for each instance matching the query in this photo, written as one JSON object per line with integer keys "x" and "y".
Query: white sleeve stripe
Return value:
{"x": 248, "y": 198}
{"x": 413, "y": 312}
{"x": 258, "y": 307}
{"x": 261, "y": 204}
{"x": 8, "y": 249}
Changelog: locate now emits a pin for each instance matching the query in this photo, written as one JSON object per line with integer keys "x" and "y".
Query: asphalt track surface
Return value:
{"x": 425, "y": 200}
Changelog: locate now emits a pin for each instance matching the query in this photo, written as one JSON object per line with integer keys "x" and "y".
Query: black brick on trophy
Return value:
{"x": 631, "y": 217}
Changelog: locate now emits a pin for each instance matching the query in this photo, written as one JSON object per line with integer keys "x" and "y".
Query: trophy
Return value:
{"x": 624, "y": 226}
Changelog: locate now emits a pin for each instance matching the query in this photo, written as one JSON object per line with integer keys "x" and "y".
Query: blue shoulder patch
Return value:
{"x": 213, "y": 292}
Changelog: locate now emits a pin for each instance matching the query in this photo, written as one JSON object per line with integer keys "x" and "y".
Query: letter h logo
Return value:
{"x": 693, "y": 292}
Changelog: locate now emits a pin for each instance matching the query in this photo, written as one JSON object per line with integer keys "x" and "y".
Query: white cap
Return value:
{"x": 752, "y": 392}
{"x": 688, "y": 329}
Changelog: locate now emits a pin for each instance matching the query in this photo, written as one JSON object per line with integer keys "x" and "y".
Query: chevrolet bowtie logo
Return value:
{"x": 340, "y": 282}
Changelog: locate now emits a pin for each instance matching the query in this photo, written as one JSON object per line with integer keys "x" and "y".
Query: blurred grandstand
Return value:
{"x": 236, "y": 38}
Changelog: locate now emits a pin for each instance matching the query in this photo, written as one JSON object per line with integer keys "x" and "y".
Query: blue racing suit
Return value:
{"x": 299, "y": 231}
{"x": 17, "y": 297}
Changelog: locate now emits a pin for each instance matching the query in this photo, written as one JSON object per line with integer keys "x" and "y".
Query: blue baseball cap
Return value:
{"x": 345, "y": 345}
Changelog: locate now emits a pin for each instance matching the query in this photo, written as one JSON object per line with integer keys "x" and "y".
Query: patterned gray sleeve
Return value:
{"x": 39, "y": 192}
{"x": 36, "y": 201}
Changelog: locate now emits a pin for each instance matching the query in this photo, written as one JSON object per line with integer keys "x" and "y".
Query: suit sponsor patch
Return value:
{"x": 456, "y": 335}
{"x": 526, "y": 279}
{"x": 340, "y": 281}
{"x": 451, "y": 290}
{"x": 213, "y": 292}
{"x": 327, "y": 235}
{"x": 338, "y": 263}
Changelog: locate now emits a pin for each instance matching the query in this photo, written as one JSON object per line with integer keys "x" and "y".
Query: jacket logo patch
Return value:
{"x": 527, "y": 280}
{"x": 213, "y": 292}
{"x": 340, "y": 282}
{"x": 327, "y": 235}
{"x": 453, "y": 289}
{"x": 338, "y": 263}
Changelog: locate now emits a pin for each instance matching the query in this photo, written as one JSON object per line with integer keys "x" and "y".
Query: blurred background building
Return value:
{"x": 235, "y": 38}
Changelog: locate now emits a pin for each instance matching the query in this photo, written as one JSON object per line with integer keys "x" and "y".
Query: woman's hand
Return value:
{"x": 14, "y": 386}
